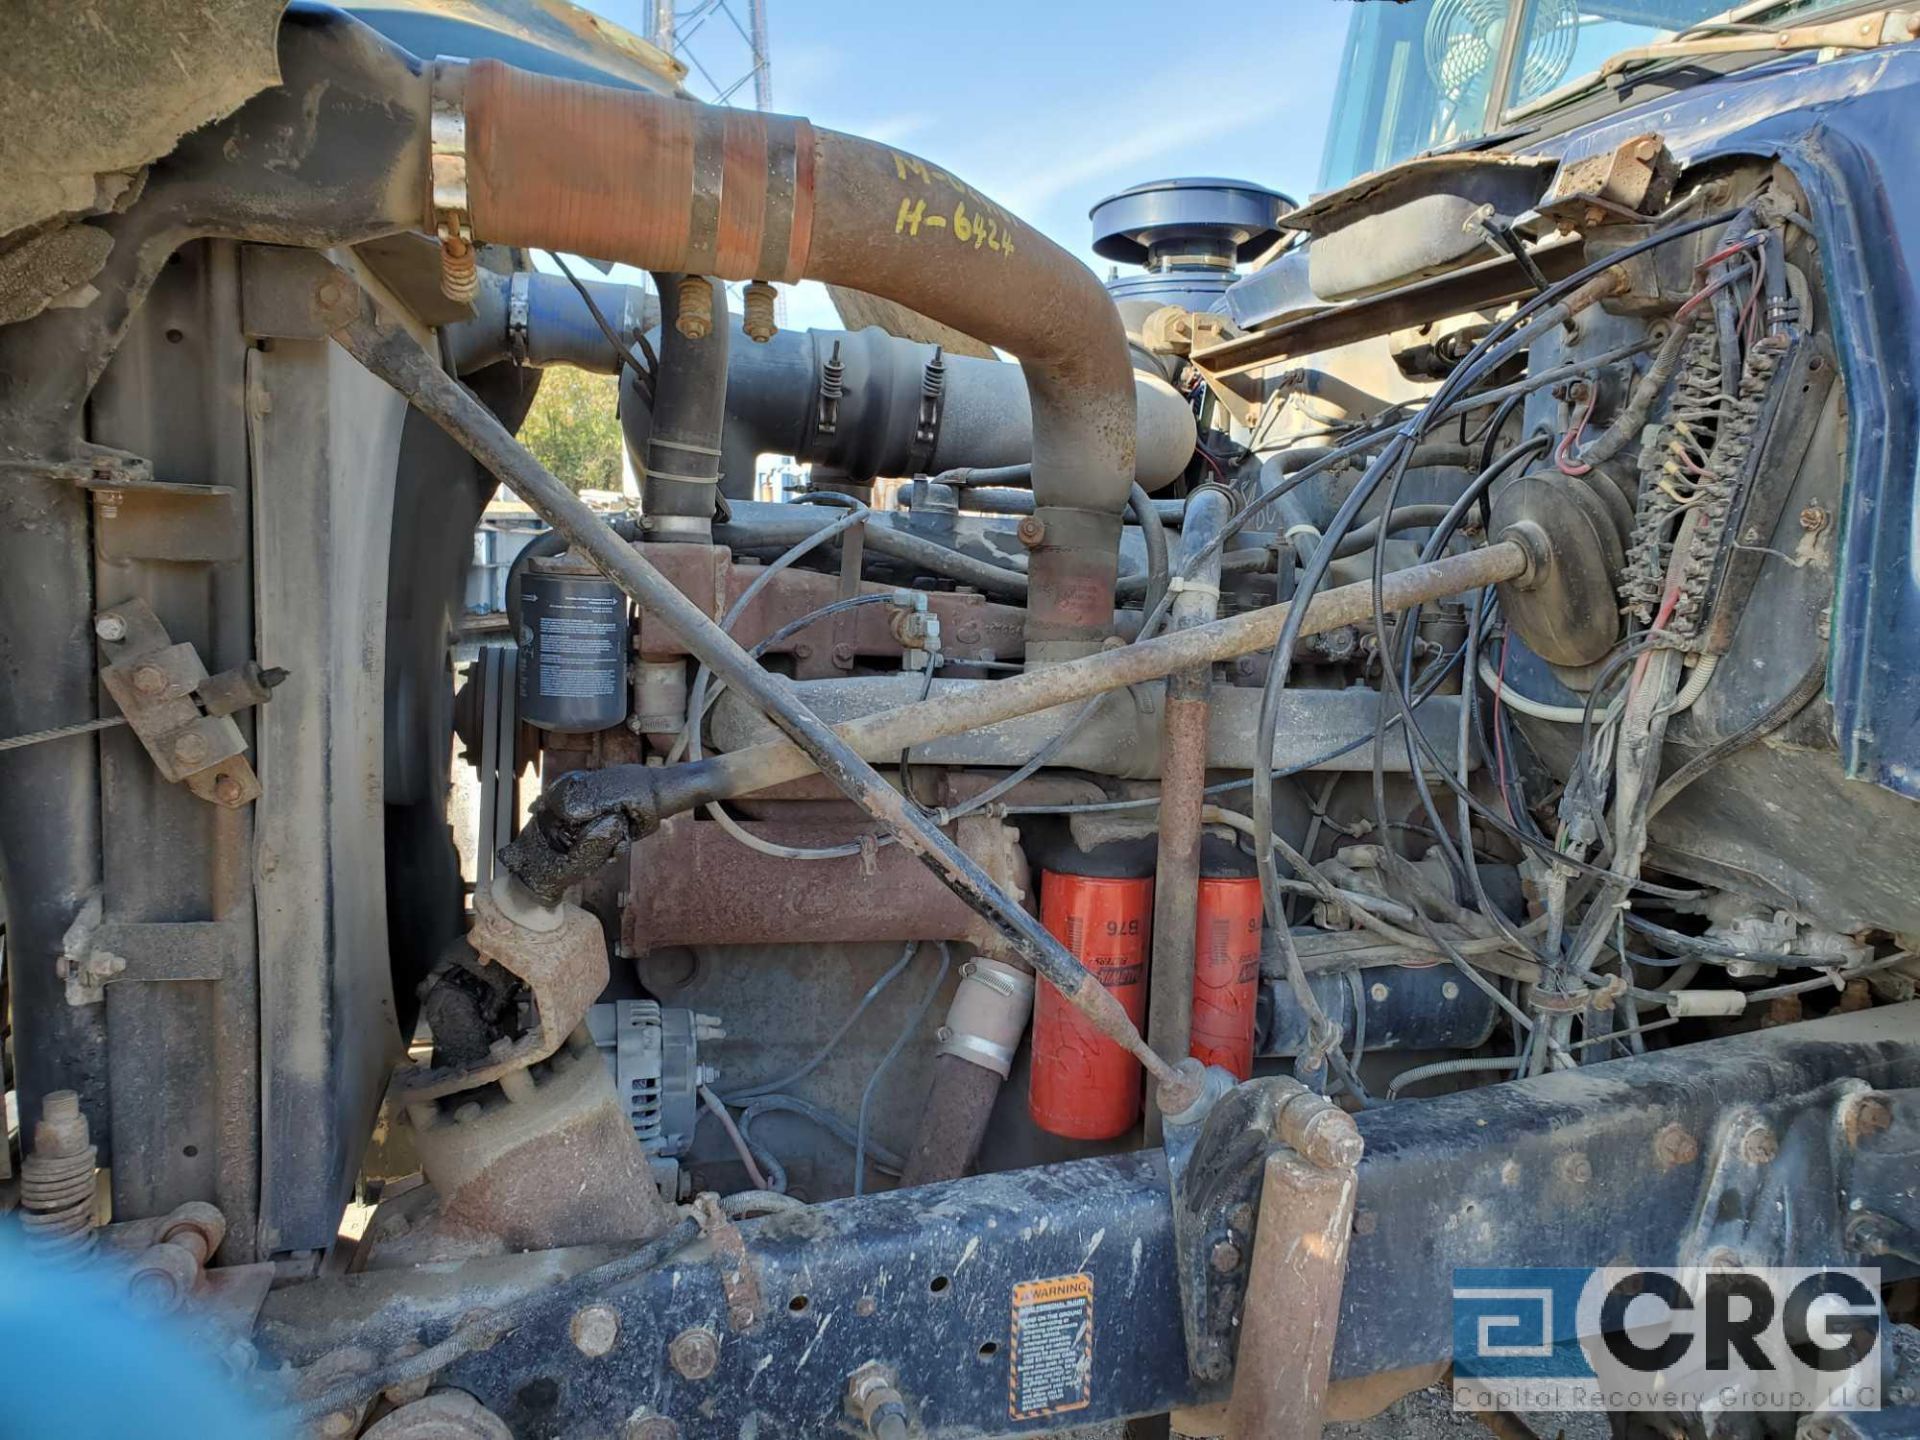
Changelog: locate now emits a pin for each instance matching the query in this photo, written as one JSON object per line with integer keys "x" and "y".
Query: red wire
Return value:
{"x": 1213, "y": 463}
{"x": 1561, "y": 452}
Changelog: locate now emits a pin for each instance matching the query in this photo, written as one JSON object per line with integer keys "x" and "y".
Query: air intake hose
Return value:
{"x": 675, "y": 185}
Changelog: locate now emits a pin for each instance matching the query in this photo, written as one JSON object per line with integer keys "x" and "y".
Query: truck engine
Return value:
{"x": 1379, "y": 743}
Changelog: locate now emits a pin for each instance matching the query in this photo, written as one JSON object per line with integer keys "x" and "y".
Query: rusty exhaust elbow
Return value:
{"x": 675, "y": 185}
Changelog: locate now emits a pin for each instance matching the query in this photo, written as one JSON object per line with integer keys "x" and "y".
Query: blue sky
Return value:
{"x": 1046, "y": 105}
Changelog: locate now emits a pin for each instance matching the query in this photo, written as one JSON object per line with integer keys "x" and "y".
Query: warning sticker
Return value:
{"x": 1052, "y": 1364}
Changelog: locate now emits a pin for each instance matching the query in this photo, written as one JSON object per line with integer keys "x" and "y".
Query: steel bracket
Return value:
{"x": 182, "y": 714}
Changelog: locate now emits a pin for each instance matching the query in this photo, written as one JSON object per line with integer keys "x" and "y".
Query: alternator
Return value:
{"x": 657, "y": 1071}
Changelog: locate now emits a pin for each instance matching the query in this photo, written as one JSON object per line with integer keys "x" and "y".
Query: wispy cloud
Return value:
{"x": 1126, "y": 158}
{"x": 898, "y": 129}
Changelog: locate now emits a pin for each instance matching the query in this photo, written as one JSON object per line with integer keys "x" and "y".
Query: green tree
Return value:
{"x": 573, "y": 429}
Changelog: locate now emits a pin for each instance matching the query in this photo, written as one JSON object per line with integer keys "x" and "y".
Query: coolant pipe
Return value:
{"x": 1183, "y": 784}
{"x": 680, "y": 466}
{"x": 856, "y": 403}
{"x": 540, "y": 320}
{"x": 390, "y": 352}
{"x": 676, "y": 185}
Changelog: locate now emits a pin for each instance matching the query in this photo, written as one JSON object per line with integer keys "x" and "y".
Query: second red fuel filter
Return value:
{"x": 1226, "y": 973}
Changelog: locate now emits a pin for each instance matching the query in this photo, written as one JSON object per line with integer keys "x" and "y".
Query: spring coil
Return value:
{"x": 57, "y": 1180}
{"x": 1673, "y": 465}
{"x": 1733, "y": 446}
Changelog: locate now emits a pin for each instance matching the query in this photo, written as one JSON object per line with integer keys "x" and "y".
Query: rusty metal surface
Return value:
{"x": 971, "y": 626}
{"x": 692, "y": 883}
{"x": 566, "y": 969}
{"x": 1176, "y": 883}
{"x": 1294, "y": 1287}
{"x": 548, "y": 1159}
{"x": 1629, "y": 182}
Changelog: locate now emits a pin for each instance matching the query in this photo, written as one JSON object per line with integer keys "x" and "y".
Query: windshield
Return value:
{"x": 1421, "y": 76}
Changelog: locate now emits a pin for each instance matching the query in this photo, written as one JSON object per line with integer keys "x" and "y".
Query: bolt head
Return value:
{"x": 226, "y": 789}
{"x": 1032, "y": 531}
{"x": 651, "y": 1427}
{"x": 1813, "y": 519}
{"x": 593, "y": 1330}
{"x": 1575, "y": 1168}
{"x": 1869, "y": 1116}
{"x": 1224, "y": 1257}
{"x": 109, "y": 626}
{"x": 740, "y": 1317}
{"x": 1759, "y": 1146}
{"x": 190, "y": 749}
{"x": 149, "y": 679}
{"x": 694, "y": 1352}
{"x": 1675, "y": 1146}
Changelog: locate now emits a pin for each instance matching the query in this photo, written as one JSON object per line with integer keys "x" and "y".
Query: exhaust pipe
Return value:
{"x": 676, "y": 185}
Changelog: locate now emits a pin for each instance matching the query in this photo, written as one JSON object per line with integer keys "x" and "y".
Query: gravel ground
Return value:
{"x": 1424, "y": 1415}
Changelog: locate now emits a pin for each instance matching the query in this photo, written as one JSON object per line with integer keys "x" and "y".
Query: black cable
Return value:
{"x": 622, "y": 349}
{"x": 899, "y": 1044}
{"x": 1772, "y": 718}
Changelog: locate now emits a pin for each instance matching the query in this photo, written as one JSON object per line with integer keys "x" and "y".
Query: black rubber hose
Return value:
{"x": 1159, "y": 566}
{"x": 681, "y": 476}
{"x": 1361, "y": 538}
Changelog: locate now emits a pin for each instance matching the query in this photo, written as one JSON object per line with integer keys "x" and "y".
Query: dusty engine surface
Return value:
{"x": 1383, "y": 745}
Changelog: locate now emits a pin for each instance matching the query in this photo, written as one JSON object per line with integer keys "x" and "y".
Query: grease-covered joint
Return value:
{"x": 1319, "y": 1130}
{"x": 581, "y": 821}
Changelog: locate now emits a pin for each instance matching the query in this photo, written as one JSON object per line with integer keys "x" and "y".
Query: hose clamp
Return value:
{"x": 519, "y": 314}
{"x": 447, "y": 161}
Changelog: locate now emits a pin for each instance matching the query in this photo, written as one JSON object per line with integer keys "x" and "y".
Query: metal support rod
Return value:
{"x": 1183, "y": 783}
{"x": 1294, "y": 1289}
{"x": 757, "y": 767}
{"x": 390, "y": 352}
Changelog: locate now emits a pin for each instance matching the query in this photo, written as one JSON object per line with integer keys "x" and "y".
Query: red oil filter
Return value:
{"x": 1226, "y": 973}
{"x": 1083, "y": 1086}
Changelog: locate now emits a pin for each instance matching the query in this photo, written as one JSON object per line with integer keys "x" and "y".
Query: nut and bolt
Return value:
{"x": 1813, "y": 519}
{"x": 694, "y": 1352}
{"x": 1225, "y": 1257}
{"x": 109, "y": 626}
{"x": 1032, "y": 531}
{"x": 593, "y": 1329}
{"x": 227, "y": 789}
{"x": 149, "y": 679}
{"x": 694, "y": 319}
{"x": 1759, "y": 1146}
{"x": 1674, "y": 1145}
{"x": 1575, "y": 1168}
{"x": 190, "y": 749}
{"x": 1868, "y": 1115}
{"x": 760, "y": 324}
{"x": 651, "y": 1427}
